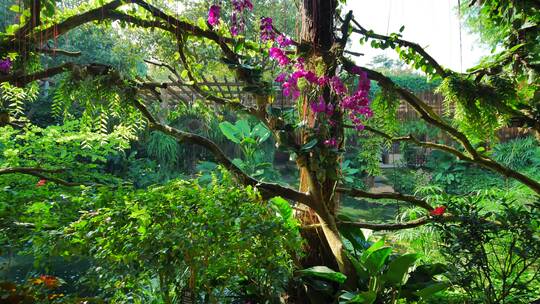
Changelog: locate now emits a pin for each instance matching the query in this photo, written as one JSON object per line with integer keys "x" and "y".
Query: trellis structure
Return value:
{"x": 232, "y": 88}
{"x": 226, "y": 88}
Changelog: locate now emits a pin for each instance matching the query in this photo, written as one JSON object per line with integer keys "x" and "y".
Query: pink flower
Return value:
{"x": 300, "y": 63}
{"x": 331, "y": 143}
{"x": 329, "y": 109}
{"x": 323, "y": 80}
{"x": 213, "y": 15}
{"x": 438, "y": 211}
{"x": 279, "y": 55}
{"x": 298, "y": 74}
{"x": 364, "y": 84}
{"x": 248, "y": 5}
{"x": 280, "y": 78}
{"x": 41, "y": 182}
{"x": 318, "y": 107}
{"x": 284, "y": 41}
{"x": 356, "y": 70}
{"x": 338, "y": 86}
{"x": 290, "y": 88}
{"x": 311, "y": 77}
{"x": 267, "y": 30}
{"x": 241, "y": 5}
{"x": 322, "y": 107}
{"x": 235, "y": 30}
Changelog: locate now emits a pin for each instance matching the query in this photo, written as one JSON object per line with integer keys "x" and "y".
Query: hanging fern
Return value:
{"x": 99, "y": 103}
{"x": 385, "y": 106}
{"x": 478, "y": 108}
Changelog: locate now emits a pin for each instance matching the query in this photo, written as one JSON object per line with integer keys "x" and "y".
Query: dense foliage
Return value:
{"x": 125, "y": 178}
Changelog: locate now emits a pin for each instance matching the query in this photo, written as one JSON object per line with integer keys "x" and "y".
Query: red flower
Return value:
{"x": 438, "y": 211}
{"x": 47, "y": 280}
{"x": 41, "y": 182}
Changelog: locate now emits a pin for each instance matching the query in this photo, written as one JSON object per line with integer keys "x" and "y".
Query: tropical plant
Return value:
{"x": 255, "y": 161}
{"x": 383, "y": 277}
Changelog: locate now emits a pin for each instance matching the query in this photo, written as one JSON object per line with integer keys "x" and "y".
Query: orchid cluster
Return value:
{"x": 237, "y": 16}
{"x": 5, "y": 65}
{"x": 356, "y": 105}
{"x": 267, "y": 30}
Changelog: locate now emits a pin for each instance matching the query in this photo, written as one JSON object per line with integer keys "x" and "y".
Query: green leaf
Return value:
{"x": 309, "y": 145}
{"x": 375, "y": 261}
{"x": 239, "y": 47}
{"x": 243, "y": 127}
{"x": 230, "y": 131}
{"x": 432, "y": 289}
{"x": 355, "y": 236}
{"x": 371, "y": 249}
{"x": 261, "y": 132}
{"x": 361, "y": 271}
{"x": 283, "y": 206}
{"x": 184, "y": 74}
{"x": 324, "y": 272}
{"x": 364, "y": 297}
{"x": 398, "y": 268}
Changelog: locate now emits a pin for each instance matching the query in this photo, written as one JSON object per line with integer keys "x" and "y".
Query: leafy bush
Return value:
{"x": 494, "y": 255}
{"x": 219, "y": 242}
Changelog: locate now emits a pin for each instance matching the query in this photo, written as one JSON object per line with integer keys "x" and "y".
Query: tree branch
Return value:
{"x": 390, "y": 227}
{"x": 387, "y": 195}
{"x": 41, "y": 173}
{"x": 22, "y": 80}
{"x": 54, "y": 52}
{"x": 416, "y": 47}
{"x": 429, "y": 115}
{"x": 413, "y": 139}
{"x": 269, "y": 189}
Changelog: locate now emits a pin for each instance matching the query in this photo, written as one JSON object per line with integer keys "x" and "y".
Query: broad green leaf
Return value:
{"x": 432, "y": 289}
{"x": 364, "y": 297}
{"x": 355, "y": 236}
{"x": 398, "y": 268}
{"x": 282, "y": 206}
{"x": 243, "y": 127}
{"x": 375, "y": 261}
{"x": 361, "y": 271}
{"x": 324, "y": 272}
{"x": 371, "y": 249}
{"x": 261, "y": 132}
{"x": 230, "y": 131}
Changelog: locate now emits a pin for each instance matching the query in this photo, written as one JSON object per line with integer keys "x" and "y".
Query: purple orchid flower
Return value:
{"x": 213, "y": 15}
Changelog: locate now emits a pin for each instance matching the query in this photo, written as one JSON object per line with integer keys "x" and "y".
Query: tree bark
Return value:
{"x": 317, "y": 36}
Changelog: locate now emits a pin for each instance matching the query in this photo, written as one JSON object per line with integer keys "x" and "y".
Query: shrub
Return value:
{"x": 218, "y": 242}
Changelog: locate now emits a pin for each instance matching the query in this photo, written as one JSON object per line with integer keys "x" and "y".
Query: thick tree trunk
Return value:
{"x": 317, "y": 35}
